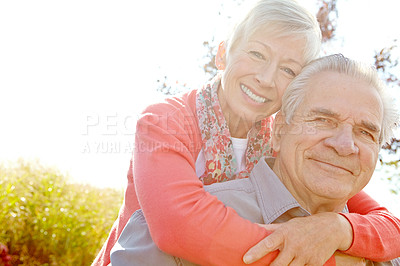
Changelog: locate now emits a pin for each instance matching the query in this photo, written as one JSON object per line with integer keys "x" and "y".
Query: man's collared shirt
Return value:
{"x": 261, "y": 198}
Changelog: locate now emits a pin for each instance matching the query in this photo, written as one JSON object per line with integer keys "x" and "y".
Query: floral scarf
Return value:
{"x": 221, "y": 164}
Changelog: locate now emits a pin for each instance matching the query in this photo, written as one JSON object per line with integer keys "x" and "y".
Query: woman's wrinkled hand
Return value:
{"x": 310, "y": 240}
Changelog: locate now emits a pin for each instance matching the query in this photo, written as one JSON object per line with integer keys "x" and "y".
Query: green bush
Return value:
{"x": 45, "y": 220}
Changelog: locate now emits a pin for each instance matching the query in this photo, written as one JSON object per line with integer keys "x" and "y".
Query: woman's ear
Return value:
{"x": 278, "y": 130}
{"x": 220, "y": 57}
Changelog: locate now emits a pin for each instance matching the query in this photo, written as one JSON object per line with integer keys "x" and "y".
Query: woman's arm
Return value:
{"x": 372, "y": 232}
{"x": 184, "y": 220}
{"x": 376, "y": 230}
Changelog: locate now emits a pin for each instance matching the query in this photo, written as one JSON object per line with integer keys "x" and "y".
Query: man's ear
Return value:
{"x": 220, "y": 57}
{"x": 278, "y": 130}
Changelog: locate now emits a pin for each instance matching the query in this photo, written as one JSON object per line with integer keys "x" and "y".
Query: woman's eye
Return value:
{"x": 257, "y": 54}
{"x": 289, "y": 71}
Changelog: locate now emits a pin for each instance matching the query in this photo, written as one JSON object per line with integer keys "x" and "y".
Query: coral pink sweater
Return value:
{"x": 185, "y": 221}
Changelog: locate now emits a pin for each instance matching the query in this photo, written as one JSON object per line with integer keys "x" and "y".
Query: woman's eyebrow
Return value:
{"x": 267, "y": 47}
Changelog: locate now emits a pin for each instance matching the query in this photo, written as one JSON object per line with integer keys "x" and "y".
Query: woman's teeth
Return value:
{"x": 252, "y": 96}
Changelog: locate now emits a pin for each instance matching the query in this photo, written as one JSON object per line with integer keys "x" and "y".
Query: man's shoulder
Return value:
{"x": 240, "y": 195}
{"x": 243, "y": 184}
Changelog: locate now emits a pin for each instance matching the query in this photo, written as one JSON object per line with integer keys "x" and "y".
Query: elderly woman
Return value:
{"x": 218, "y": 133}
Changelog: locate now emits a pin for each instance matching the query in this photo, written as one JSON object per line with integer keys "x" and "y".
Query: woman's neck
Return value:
{"x": 238, "y": 127}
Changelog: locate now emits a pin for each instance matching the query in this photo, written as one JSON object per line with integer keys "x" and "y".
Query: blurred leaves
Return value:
{"x": 47, "y": 221}
{"x": 327, "y": 16}
{"x": 386, "y": 64}
{"x": 170, "y": 88}
{"x": 209, "y": 58}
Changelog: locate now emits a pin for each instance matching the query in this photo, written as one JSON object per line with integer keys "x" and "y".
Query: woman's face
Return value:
{"x": 256, "y": 73}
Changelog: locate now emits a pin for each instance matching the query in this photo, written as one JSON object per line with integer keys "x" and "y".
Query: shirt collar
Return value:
{"x": 273, "y": 198}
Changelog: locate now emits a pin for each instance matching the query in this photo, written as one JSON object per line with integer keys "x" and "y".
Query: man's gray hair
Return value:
{"x": 297, "y": 89}
{"x": 280, "y": 18}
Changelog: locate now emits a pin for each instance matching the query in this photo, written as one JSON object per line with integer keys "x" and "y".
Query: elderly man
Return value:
{"x": 335, "y": 116}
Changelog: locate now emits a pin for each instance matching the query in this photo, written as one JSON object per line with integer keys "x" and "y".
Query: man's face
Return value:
{"x": 330, "y": 149}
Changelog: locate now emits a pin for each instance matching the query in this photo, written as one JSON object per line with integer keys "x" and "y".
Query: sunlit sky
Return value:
{"x": 74, "y": 75}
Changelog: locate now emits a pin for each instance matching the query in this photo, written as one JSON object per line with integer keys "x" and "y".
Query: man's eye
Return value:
{"x": 367, "y": 134}
{"x": 257, "y": 54}
{"x": 322, "y": 120}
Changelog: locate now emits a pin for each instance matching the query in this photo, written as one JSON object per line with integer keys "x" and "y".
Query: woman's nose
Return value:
{"x": 266, "y": 76}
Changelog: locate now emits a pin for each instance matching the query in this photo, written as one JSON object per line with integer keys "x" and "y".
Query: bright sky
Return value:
{"x": 75, "y": 74}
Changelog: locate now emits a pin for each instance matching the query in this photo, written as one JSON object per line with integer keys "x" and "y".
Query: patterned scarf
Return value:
{"x": 221, "y": 164}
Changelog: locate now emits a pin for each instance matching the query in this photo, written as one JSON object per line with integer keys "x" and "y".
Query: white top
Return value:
{"x": 239, "y": 149}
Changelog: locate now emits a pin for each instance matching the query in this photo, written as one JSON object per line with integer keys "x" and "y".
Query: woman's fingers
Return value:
{"x": 265, "y": 246}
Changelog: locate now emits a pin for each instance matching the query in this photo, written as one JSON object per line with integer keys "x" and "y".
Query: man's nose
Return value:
{"x": 343, "y": 141}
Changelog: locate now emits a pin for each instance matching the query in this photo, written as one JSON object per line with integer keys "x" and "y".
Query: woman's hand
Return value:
{"x": 308, "y": 240}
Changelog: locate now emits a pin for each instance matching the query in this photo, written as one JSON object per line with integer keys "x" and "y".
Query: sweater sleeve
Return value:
{"x": 184, "y": 220}
{"x": 376, "y": 231}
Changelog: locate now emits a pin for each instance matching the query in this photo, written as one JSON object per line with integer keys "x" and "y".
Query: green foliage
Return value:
{"x": 47, "y": 221}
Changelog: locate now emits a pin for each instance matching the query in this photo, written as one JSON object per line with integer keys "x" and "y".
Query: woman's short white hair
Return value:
{"x": 279, "y": 18}
{"x": 297, "y": 89}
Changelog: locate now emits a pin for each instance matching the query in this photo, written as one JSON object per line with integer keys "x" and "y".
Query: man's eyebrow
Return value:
{"x": 370, "y": 126}
{"x": 323, "y": 111}
{"x": 326, "y": 112}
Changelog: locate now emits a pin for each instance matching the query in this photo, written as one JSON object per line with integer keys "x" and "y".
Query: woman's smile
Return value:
{"x": 252, "y": 96}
